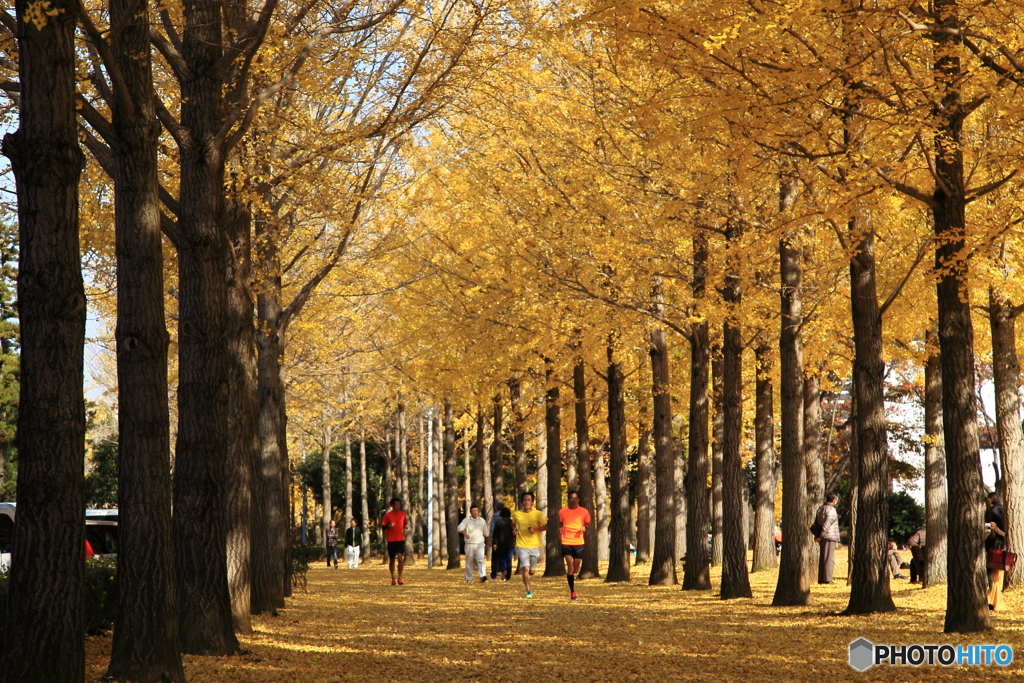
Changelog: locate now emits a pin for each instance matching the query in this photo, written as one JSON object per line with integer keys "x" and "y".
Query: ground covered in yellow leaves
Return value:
{"x": 351, "y": 625}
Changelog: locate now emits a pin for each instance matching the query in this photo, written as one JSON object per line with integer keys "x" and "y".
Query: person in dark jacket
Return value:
{"x": 828, "y": 519}
{"x": 917, "y": 557}
{"x": 353, "y": 540}
{"x": 503, "y": 542}
{"x": 332, "y": 544}
{"x": 995, "y": 539}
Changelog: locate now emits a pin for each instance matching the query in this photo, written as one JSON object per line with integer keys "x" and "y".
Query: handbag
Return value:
{"x": 816, "y": 529}
{"x": 1002, "y": 560}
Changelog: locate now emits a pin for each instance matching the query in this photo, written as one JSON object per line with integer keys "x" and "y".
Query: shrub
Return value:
{"x": 100, "y": 597}
{"x": 302, "y": 557}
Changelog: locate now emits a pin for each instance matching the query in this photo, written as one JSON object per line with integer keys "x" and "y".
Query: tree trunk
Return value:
{"x": 364, "y": 491}
{"x": 441, "y": 539}
{"x": 764, "y": 436}
{"x": 735, "y": 580}
{"x": 268, "y": 549}
{"x": 480, "y": 476}
{"x": 518, "y": 436}
{"x": 243, "y": 444}
{"x": 420, "y": 511}
{"x": 601, "y": 504}
{"x": 854, "y": 484}
{"x": 145, "y": 642}
{"x": 348, "y": 480}
{"x": 497, "y": 461}
{"x": 402, "y": 449}
{"x": 389, "y": 473}
{"x": 451, "y": 487}
{"x": 644, "y": 530}
{"x": 718, "y": 438}
{"x": 1006, "y": 374}
{"x": 553, "y": 565}
{"x": 589, "y": 568}
{"x": 869, "y": 589}
{"x": 325, "y": 473}
{"x": 467, "y": 478}
{"x": 542, "y": 468}
{"x": 663, "y": 565}
{"x": 618, "y": 557}
{"x": 793, "y": 586}
{"x": 934, "y": 468}
{"x": 45, "y": 620}
{"x": 815, "y": 465}
{"x": 485, "y": 469}
{"x": 696, "y": 573}
{"x": 200, "y": 465}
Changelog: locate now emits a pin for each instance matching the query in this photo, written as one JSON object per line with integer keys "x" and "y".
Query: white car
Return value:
{"x": 100, "y": 531}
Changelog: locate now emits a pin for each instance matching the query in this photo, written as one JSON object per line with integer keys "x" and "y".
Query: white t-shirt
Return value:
{"x": 476, "y": 529}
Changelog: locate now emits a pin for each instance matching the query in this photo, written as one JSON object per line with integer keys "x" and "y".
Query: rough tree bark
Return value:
{"x": 481, "y": 454}
{"x": 243, "y": 442}
{"x": 764, "y": 436}
{"x": 45, "y": 638}
{"x": 1006, "y": 374}
{"x": 589, "y": 568}
{"x": 815, "y": 465}
{"x": 515, "y": 391}
{"x": 451, "y": 487}
{"x": 696, "y": 571}
{"x": 644, "y": 529}
{"x": 618, "y": 557}
{"x": 718, "y": 438}
{"x": 325, "y": 473}
{"x": 793, "y": 586}
{"x": 966, "y": 606}
{"x": 497, "y": 459}
{"x": 270, "y": 517}
{"x": 935, "y": 505}
{"x": 348, "y": 480}
{"x": 735, "y": 579}
{"x": 200, "y": 464}
{"x": 145, "y": 642}
{"x": 553, "y": 565}
{"x": 663, "y": 565}
{"x": 364, "y": 502}
{"x": 869, "y": 588}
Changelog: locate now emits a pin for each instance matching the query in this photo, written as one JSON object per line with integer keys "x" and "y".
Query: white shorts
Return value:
{"x": 528, "y": 557}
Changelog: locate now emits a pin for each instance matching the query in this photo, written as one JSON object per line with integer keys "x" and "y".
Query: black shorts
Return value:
{"x": 574, "y": 551}
{"x": 396, "y": 548}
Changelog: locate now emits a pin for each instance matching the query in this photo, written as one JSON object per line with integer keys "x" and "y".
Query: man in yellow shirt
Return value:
{"x": 527, "y": 524}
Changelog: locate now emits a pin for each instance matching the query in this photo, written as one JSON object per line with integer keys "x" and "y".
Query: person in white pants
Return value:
{"x": 474, "y": 529}
{"x": 353, "y": 539}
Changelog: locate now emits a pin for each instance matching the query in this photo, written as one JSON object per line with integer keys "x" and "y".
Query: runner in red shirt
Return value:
{"x": 394, "y": 524}
{"x": 573, "y": 521}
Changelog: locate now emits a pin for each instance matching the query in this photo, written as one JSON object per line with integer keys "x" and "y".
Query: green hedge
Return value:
{"x": 100, "y": 597}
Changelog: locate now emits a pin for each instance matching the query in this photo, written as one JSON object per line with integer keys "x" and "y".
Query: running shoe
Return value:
{"x": 394, "y": 582}
{"x": 572, "y": 595}
{"x": 529, "y": 595}
{"x": 401, "y": 583}
{"x": 483, "y": 579}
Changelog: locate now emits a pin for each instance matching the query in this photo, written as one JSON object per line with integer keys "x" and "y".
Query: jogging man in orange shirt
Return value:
{"x": 573, "y": 522}
{"x": 394, "y": 524}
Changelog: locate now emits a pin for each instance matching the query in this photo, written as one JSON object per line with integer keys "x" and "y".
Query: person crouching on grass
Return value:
{"x": 527, "y": 524}
{"x": 394, "y": 524}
